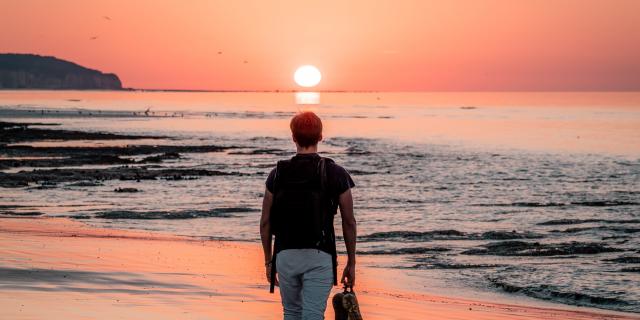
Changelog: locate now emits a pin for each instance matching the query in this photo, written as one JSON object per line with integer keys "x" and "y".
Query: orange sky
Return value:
{"x": 358, "y": 45}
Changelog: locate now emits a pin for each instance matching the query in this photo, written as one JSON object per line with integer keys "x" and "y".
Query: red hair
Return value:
{"x": 306, "y": 128}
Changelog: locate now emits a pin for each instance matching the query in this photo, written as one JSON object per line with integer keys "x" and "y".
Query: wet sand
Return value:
{"x": 54, "y": 268}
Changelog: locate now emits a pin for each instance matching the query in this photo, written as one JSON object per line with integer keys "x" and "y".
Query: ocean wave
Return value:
{"x": 185, "y": 214}
{"x": 549, "y": 292}
{"x": 448, "y": 235}
{"x": 249, "y": 115}
{"x": 509, "y": 235}
{"x": 453, "y": 266}
{"x": 356, "y": 151}
{"x": 399, "y": 251}
{"x": 605, "y": 203}
{"x": 626, "y": 259}
{"x": 599, "y": 228}
{"x": 85, "y": 184}
{"x": 357, "y": 172}
{"x": 602, "y": 203}
{"x": 522, "y": 248}
{"x": 274, "y": 115}
{"x": 268, "y": 139}
{"x": 21, "y": 213}
{"x": 278, "y": 152}
{"x": 414, "y": 235}
{"x": 582, "y": 221}
{"x": 436, "y": 262}
{"x": 522, "y": 204}
{"x": 411, "y": 155}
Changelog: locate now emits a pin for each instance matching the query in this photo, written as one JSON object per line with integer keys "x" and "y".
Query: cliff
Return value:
{"x": 28, "y": 71}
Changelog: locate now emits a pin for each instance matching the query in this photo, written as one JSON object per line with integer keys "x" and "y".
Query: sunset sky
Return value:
{"x": 401, "y": 45}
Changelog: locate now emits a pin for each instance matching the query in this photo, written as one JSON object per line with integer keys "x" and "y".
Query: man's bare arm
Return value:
{"x": 349, "y": 232}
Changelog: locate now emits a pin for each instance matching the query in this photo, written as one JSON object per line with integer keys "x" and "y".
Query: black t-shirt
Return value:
{"x": 338, "y": 178}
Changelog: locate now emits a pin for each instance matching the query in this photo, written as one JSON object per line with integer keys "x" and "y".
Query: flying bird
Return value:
{"x": 106, "y": 18}
{"x": 93, "y": 38}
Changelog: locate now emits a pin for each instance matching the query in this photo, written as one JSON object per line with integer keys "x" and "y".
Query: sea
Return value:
{"x": 530, "y": 195}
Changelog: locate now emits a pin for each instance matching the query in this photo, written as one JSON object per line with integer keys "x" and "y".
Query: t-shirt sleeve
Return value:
{"x": 341, "y": 180}
{"x": 270, "y": 178}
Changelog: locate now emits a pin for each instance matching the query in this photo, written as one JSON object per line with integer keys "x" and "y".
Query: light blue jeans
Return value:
{"x": 306, "y": 278}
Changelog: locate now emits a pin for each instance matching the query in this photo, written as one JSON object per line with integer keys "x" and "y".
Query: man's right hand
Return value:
{"x": 349, "y": 275}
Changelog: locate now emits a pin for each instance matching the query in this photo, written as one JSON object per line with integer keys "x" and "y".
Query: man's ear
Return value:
{"x": 320, "y": 138}
{"x": 294, "y": 138}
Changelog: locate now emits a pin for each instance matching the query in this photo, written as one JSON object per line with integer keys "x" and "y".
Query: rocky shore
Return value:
{"x": 118, "y": 161}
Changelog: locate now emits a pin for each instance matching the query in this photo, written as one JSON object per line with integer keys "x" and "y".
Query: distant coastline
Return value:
{"x": 30, "y": 71}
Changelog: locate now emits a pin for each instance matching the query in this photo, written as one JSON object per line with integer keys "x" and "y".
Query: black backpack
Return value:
{"x": 302, "y": 211}
{"x": 301, "y": 204}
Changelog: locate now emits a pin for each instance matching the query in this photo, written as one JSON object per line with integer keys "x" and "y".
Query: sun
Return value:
{"x": 307, "y": 76}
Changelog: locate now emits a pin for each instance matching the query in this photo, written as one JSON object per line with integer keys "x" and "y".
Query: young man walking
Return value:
{"x": 301, "y": 198}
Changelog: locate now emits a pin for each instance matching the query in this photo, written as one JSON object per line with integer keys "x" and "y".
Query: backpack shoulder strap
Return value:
{"x": 322, "y": 170}
{"x": 322, "y": 167}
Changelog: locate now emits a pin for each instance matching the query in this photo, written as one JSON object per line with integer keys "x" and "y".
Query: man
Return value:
{"x": 301, "y": 198}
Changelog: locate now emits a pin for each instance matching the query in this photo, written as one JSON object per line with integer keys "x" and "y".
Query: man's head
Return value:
{"x": 306, "y": 129}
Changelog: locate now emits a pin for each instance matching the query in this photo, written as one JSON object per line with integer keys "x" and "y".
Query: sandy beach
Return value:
{"x": 56, "y": 268}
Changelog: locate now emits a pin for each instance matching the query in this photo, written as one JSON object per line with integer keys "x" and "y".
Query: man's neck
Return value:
{"x": 308, "y": 150}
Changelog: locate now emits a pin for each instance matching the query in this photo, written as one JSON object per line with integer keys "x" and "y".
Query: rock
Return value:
{"x": 126, "y": 190}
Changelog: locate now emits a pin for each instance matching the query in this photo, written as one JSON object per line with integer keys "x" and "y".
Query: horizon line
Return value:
{"x": 318, "y": 91}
